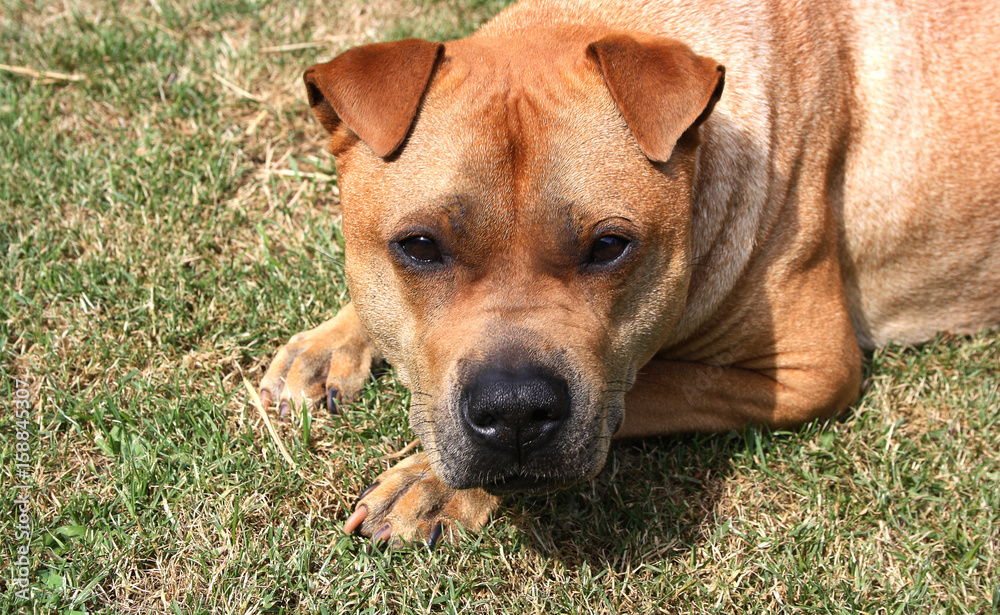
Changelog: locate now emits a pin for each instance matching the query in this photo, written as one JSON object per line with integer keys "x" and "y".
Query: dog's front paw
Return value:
{"x": 408, "y": 503}
{"x": 328, "y": 364}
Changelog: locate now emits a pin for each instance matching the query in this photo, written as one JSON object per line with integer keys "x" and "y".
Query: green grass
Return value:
{"x": 163, "y": 233}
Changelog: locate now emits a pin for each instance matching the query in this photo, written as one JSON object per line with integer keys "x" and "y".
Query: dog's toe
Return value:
{"x": 408, "y": 503}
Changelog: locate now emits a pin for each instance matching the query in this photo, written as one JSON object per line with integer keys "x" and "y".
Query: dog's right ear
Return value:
{"x": 374, "y": 90}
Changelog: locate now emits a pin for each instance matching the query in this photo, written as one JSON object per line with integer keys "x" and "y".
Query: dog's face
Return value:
{"x": 518, "y": 258}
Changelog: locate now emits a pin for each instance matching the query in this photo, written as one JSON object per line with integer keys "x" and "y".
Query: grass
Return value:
{"x": 170, "y": 220}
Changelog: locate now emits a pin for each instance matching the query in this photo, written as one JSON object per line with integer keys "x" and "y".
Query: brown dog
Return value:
{"x": 561, "y": 230}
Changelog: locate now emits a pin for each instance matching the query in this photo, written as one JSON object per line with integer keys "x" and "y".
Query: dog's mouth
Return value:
{"x": 546, "y": 472}
{"x": 525, "y": 483}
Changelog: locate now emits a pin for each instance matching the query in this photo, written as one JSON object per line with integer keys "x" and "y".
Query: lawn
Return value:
{"x": 170, "y": 219}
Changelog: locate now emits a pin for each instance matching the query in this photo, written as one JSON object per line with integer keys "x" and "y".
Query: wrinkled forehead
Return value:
{"x": 515, "y": 123}
{"x": 525, "y": 101}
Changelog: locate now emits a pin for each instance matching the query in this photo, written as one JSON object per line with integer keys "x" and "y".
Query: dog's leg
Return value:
{"x": 408, "y": 502}
{"x": 677, "y": 396}
{"x": 784, "y": 355}
{"x": 327, "y": 363}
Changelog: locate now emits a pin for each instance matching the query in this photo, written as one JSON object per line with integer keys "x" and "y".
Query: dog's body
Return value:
{"x": 564, "y": 228}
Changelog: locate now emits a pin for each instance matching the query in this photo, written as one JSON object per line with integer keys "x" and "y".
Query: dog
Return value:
{"x": 599, "y": 219}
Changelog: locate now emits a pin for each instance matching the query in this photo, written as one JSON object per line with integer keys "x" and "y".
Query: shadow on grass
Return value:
{"x": 655, "y": 500}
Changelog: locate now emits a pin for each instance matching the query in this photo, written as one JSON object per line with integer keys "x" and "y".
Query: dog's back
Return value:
{"x": 921, "y": 206}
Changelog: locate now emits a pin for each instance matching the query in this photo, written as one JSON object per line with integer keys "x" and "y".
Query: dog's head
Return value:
{"x": 516, "y": 216}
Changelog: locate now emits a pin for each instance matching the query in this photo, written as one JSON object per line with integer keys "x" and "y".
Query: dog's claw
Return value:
{"x": 435, "y": 535}
{"x": 331, "y": 401}
{"x": 383, "y": 535}
{"x": 364, "y": 493}
{"x": 285, "y": 410}
{"x": 354, "y": 522}
{"x": 266, "y": 398}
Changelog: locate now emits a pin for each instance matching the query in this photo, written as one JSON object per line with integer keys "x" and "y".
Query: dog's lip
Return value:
{"x": 524, "y": 483}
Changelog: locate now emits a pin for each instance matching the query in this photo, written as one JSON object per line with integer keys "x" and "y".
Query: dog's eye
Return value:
{"x": 421, "y": 248}
{"x": 607, "y": 248}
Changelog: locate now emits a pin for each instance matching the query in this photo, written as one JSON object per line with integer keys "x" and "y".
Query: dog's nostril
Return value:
{"x": 519, "y": 410}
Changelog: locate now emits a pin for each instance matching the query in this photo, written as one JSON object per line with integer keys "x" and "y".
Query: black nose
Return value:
{"x": 517, "y": 411}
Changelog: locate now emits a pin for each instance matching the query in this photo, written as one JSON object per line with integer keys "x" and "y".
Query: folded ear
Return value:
{"x": 374, "y": 90}
{"x": 660, "y": 86}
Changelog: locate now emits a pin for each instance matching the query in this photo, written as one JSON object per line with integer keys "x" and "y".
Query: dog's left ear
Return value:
{"x": 660, "y": 86}
{"x": 374, "y": 90}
